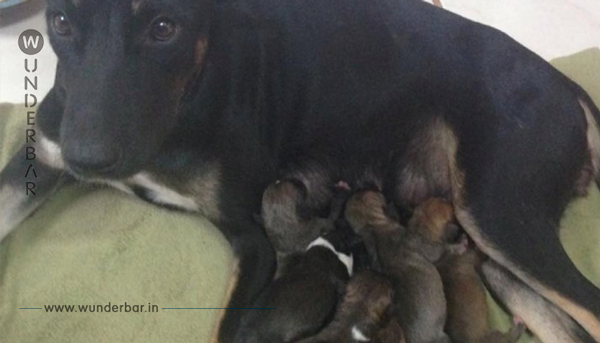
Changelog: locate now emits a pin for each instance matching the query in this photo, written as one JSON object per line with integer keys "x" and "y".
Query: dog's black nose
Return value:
{"x": 90, "y": 160}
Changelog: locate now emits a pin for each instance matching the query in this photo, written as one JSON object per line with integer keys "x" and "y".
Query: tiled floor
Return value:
{"x": 551, "y": 28}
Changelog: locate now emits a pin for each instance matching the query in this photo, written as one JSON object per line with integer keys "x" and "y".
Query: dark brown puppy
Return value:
{"x": 287, "y": 231}
{"x": 391, "y": 333}
{"x": 360, "y": 315}
{"x": 467, "y": 317}
{"x": 311, "y": 273}
{"x": 301, "y": 301}
{"x": 408, "y": 257}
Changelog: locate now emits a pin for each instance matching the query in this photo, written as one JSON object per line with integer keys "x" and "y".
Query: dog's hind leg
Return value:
{"x": 511, "y": 204}
{"x": 511, "y": 185}
{"x": 549, "y": 323}
{"x": 256, "y": 266}
{"x": 37, "y": 169}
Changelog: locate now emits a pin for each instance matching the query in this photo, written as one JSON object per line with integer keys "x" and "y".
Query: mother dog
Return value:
{"x": 198, "y": 105}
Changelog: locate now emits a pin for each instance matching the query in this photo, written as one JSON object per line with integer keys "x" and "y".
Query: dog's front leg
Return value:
{"x": 37, "y": 169}
{"x": 256, "y": 266}
{"x": 25, "y": 185}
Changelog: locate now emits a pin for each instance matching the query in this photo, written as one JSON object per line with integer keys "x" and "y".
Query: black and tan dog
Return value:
{"x": 200, "y": 104}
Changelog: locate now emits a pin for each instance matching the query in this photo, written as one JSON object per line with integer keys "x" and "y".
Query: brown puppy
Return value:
{"x": 467, "y": 320}
{"x": 391, "y": 333}
{"x": 360, "y": 315}
{"x": 408, "y": 257}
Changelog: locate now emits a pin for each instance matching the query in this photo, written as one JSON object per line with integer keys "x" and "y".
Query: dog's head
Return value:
{"x": 124, "y": 68}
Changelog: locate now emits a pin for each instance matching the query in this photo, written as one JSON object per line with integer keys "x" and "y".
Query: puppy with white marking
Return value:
{"x": 288, "y": 230}
{"x": 360, "y": 315}
{"x": 408, "y": 256}
{"x": 311, "y": 273}
{"x": 467, "y": 320}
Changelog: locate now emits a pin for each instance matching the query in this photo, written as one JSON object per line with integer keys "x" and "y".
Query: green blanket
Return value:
{"x": 98, "y": 246}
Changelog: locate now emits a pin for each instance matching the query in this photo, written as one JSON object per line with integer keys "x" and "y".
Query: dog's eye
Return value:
{"x": 162, "y": 29}
{"x": 61, "y": 24}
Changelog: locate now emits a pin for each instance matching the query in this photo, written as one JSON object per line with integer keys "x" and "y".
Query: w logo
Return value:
{"x": 31, "y": 42}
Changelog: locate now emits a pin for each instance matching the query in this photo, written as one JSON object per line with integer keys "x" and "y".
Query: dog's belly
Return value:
{"x": 427, "y": 166}
{"x": 423, "y": 165}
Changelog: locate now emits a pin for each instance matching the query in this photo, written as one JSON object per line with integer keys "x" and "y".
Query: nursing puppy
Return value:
{"x": 311, "y": 273}
{"x": 303, "y": 298}
{"x": 286, "y": 230}
{"x": 392, "y": 332}
{"x": 361, "y": 313}
{"x": 467, "y": 317}
{"x": 288, "y": 222}
{"x": 408, "y": 256}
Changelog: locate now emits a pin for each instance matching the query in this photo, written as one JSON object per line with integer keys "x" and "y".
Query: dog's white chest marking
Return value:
{"x": 144, "y": 186}
{"x": 357, "y": 335}
{"x": 347, "y": 260}
{"x": 204, "y": 187}
{"x": 50, "y": 154}
{"x": 161, "y": 194}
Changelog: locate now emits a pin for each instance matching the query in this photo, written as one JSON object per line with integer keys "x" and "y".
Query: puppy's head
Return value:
{"x": 367, "y": 209}
{"x": 370, "y": 291}
{"x": 435, "y": 220}
{"x": 391, "y": 333}
{"x": 366, "y": 303}
{"x": 286, "y": 230}
{"x": 124, "y": 68}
